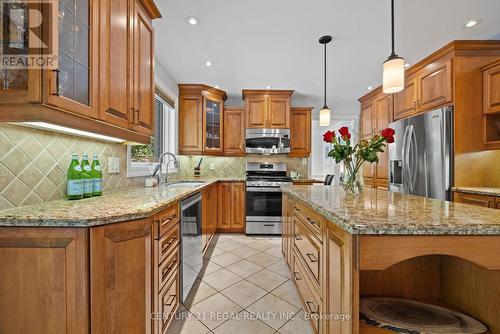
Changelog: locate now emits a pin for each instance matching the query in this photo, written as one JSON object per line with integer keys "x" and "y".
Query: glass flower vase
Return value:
{"x": 351, "y": 182}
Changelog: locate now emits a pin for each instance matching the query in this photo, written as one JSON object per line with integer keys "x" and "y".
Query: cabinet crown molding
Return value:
{"x": 197, "y": 89}
{"x": 151, "y": 8}
{"x": 280, "y": 92}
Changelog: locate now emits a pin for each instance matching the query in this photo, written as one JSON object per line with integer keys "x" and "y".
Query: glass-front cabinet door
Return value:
{"x": 72, "y": 86}
{"x": 213, "y": 141}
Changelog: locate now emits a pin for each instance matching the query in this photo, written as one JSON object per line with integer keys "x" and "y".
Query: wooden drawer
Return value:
{"x": 168, "y": 242}
{"x": 168, "y": 218}
{"x": 310, "y": 300}
{"x": 474, "y": 199}
{"x": 307, "y": 246}
{"x": 310, "y": 218}
{"x": 168, "y": 300}
{"x": 168, "y": 267}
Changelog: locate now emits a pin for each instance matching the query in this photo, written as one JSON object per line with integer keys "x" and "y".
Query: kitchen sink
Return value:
{"x": 186, "y": 184}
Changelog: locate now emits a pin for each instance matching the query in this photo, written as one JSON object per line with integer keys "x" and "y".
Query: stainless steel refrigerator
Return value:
{"x": 421, "y": 158}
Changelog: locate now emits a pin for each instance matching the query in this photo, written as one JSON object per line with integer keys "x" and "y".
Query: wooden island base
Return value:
{"x": 332, "y": 269}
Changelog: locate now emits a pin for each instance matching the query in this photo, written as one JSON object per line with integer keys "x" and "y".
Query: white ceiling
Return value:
{"x": 275, "y": 42}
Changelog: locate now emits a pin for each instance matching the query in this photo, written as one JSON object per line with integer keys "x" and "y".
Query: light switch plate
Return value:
{"x": 211, "y": 166}
{"x": 113, "y": 165}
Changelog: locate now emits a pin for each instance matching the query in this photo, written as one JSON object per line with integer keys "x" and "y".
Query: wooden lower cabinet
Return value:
{"x": 477, "y": 199}
{"x": 121, "y": 277}
{"x": 320, "y": 259}
{"x": 43, "y": 286}
{"x": 231, "y": 203}
{"x": 209, "y": 215}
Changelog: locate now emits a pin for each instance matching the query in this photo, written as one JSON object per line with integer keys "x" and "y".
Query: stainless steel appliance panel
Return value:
{"x": 191, "y": 243}
{"x": 420, "y": 159}
{"x": 267, "y": 141}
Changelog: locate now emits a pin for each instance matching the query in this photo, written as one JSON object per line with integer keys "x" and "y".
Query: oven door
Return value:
{"x": 263, "y": 204}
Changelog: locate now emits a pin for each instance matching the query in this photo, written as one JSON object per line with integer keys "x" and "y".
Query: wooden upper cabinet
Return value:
{"x": 234, "y": 131}
{"x": 115, "y": 63}
{"x": 213, "y": 123}
{"x": 256, "y": 110}
{"x": 491, "y": 88}
{"x": 143, "y": 83}
{"x": 300, "y": 132}
{"x": 190, "y": 124}
{"x": 279, "y": 112}
{"x": 267, "y": 108}
{"x": 405, "y": 102}
{"x": 383, "y": 111}
{"x": 435, "y": 85}
{"x": 201, "y": 119}
{"x": 73, "y": 86}
{"x": 366, "y": 120}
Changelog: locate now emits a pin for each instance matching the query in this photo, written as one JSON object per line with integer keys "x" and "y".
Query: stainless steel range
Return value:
{"x": 264, "y": 197}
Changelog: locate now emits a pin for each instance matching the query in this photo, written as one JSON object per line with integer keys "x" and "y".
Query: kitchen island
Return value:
{"x": 340, "y": 248}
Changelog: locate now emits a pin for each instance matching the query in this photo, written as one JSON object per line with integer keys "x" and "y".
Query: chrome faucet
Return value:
{"x": 160, "y": 171}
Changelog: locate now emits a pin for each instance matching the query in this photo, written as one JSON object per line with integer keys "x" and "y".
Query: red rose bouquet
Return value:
{"x": 354, "y": 157}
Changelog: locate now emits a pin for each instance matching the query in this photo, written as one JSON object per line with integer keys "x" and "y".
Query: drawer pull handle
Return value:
{"x": 312, "y": 222}
{"x": 297, "y": 276}
{"x": 168, "y": 268}
{"x": 165, "y": 246}
{"x": 269, "y": 225}
{"x": 311, "y": 257}
{"x": 297, "y": 237}
{"x": 312, "y": 307}
{"x": 170, "y": 300}
{"x": 168, "y": 220}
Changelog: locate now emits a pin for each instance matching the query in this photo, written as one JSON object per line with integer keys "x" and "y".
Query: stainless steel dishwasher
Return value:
{"x": 191, "y": 242}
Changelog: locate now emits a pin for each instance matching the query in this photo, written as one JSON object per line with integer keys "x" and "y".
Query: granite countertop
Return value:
{"x": 383, "y": 212}
{"x": 489, "y": 191}
{"x": 113, "y": 207}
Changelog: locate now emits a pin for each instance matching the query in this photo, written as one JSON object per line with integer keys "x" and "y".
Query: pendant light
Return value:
{"x": 394, "y": 66}
{"x": 324, "y": 114}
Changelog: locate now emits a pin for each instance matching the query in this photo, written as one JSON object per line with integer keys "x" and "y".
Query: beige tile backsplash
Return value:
{"x": 33, "y": 164}
{"x": 234, "y": 166}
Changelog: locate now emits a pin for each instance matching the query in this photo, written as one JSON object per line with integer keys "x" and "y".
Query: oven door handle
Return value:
{"x": 264, "y": 189}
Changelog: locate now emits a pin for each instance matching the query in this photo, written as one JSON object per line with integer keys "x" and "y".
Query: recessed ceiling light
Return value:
{"x": 269, "y": 87}
{"x": 471, "y": 23}
{"x": 217, "y": 86}
{"x": 369, "y": 87}
{"x": 192, "y": 20}
{"x": 407, "y": 65}
{"x": 208, "y": 63}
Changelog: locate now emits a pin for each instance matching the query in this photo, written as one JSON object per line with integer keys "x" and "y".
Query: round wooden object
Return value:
{"x": 401, "y": 315}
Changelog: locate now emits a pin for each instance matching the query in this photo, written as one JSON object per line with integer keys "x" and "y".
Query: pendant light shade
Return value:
{"x": 394, "y": 66}
{"x": 324, "y": 117}
{"x": 324, "y": 114}
{"x": 394, "y": 75}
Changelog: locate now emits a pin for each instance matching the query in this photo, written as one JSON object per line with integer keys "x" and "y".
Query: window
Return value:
{"x": 142, "y": 160}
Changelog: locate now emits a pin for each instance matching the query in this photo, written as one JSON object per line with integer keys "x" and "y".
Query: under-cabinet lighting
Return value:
{"x": 70, "y": 131}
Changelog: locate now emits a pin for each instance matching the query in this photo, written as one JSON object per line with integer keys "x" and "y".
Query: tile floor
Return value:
{"x": 244, "y": 287}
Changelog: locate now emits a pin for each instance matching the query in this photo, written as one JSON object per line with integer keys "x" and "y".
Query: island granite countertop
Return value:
{"x": 488, "y": 191}
{"x": 383, "y": 212}
{"x": 112, "y": 207}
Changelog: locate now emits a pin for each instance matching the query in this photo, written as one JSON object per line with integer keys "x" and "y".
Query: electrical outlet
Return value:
{"x": 304, "y": 161}
{"x": 211, "y": 166}
{"x": 113, "y": 165}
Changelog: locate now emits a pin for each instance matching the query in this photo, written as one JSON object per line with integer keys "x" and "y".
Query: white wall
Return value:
{"x": 319, "y": 164}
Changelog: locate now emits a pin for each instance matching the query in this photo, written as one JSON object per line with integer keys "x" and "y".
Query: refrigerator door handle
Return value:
{"x": 413, "y": 147}
{"x": 404, "y": 155}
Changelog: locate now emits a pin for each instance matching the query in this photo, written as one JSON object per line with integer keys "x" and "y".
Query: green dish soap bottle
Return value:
{"x": 96, "y": 174}
{"x": 87, "y": 179}
{"x": 74, "y": 179}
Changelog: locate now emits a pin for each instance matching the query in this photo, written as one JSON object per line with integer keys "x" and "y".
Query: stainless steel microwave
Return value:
{"x": 268, "y": 141}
